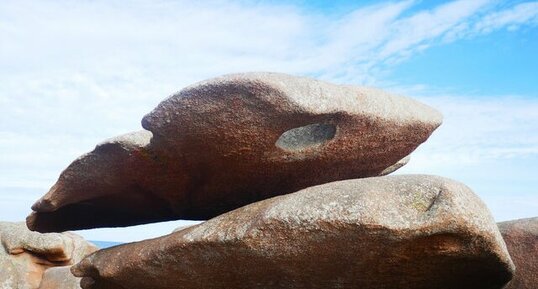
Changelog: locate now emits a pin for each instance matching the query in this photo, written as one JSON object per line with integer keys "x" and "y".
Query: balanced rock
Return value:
{"x": 521, "y": 237}
{"x": 409, "y": 231}
{"x": 25, "y": 255}
{"x": 230, "y": 141}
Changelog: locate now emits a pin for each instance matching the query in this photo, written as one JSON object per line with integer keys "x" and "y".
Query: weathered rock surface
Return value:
{"x": 59, "y": 278}
{"x": 230, "y": 141}
{"x": 408, "y": 231}
{"x": 395, "y": 166}
{"x": 25, "y": 255}
{"x": 106, "y": 187}
{"x": 521, "y": 237}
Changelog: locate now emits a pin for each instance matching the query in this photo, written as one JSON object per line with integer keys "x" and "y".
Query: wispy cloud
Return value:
{"x": 511, "y": 18}
{"x": 175, "y": 42}
{"x": 74, "y": 73}
{"x": 490, "y": 144}
{"x": 417, "y": 31}
{"x": 479, "y": 129}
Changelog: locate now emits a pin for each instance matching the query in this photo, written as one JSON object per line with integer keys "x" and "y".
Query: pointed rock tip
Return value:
{"x": 83, "y": 268}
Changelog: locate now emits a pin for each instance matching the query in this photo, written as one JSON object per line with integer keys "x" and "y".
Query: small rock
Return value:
{"x": 26, "y": 255}
{"x": 395, "y": 166}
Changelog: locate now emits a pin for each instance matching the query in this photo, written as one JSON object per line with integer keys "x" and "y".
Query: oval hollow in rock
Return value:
{"x": 306, "y": 136}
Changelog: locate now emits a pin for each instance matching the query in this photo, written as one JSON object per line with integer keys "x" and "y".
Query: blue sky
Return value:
{"x": 73, "y": 73}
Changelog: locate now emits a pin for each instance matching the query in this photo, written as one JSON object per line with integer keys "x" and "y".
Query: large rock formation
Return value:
{"x": 521, "y": 237}
{"x": 230, "y": 141}
{"x": 386, "y": 232}
{"x": 26, "y": 255}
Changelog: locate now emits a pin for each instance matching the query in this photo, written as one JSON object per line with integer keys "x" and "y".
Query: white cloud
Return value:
{"x": 490, "y": 144}
{"x": 74, "y": 73}
{"x": 428, "y": 25}
{"x": 478, "y": 129}
{"x": 511, "y": 18}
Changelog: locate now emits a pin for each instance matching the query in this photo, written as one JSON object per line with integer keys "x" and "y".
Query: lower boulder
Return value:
{"x": 25, "y": 255}
{"x": 409, "y": 232}
{"x": 521, "y": 237}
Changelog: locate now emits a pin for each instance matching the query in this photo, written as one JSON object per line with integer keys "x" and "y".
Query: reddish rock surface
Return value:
{"x": 395, "y": 166}
{"x": 410, "y": 231}
{"x": 230, "y": 141}
{"x": 26, "y": 255}
{"x": 521, "y": 237}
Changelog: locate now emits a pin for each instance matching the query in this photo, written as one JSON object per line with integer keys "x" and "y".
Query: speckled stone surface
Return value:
{"x": 25, "y": 255}
{"x": 408, "y": 231}
{"x": 521, "y": 237}
{"x": 395, "y": 166}
{"x": 59, "y": 278}
{"x": 233, "y": 140}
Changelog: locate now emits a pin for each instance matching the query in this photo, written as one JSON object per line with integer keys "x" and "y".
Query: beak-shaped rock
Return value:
{"x": 230, "y": 141}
